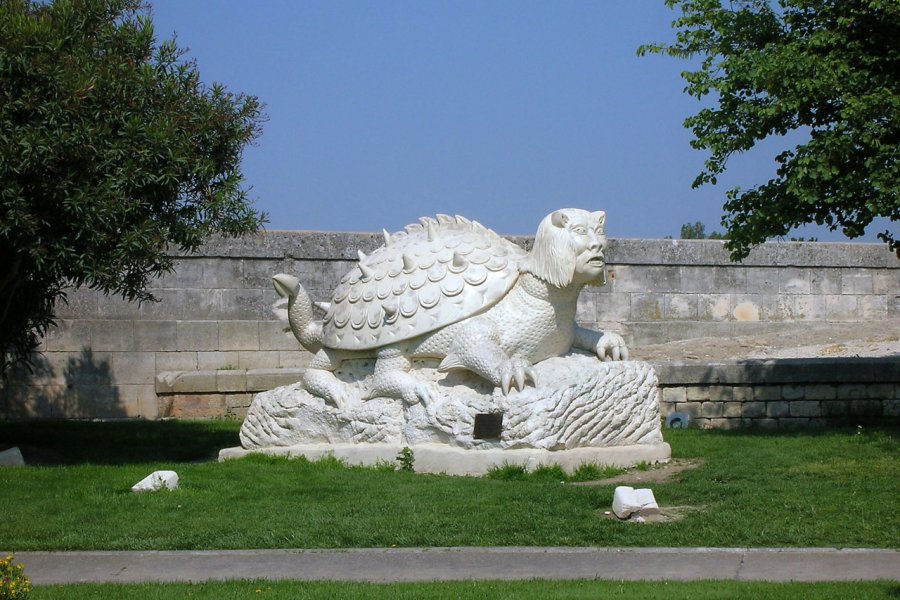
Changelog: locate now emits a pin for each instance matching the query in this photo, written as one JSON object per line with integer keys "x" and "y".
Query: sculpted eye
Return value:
{"x": 579, "y": 230}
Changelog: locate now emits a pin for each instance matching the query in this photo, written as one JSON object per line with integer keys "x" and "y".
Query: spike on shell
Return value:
{"x": 367, "y": 272}
{"x": 461, "y": 220}
{"x": 432, "y": 232}
{"x": 445, "y": 219}
{"x": 387, "y": 237}
{"x": 459, "y": 261}
{"x": 323, "y": 306}
{"x": 362, "y": 255}
{"x": 409, "y": 263}
{"x": 390, "y": 308}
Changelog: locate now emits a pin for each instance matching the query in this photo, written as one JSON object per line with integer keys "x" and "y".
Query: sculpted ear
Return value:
{"x": 559, "y": 218}
{"x": 600, "y": 216}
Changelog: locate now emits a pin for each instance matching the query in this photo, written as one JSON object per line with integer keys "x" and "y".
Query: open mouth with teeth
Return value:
{"x": 597, "y": 261}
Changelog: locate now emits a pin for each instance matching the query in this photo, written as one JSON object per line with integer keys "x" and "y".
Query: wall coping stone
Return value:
{"x": 832, "y": 370}
{"x": 835, "y": 370}
{"x": 337, "y": 245}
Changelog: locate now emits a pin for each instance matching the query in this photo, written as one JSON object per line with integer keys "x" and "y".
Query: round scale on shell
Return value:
{"x": 401, "y": 290}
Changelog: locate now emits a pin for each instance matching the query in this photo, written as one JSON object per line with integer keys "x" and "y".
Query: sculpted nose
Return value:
{"x": 593, "y": 241}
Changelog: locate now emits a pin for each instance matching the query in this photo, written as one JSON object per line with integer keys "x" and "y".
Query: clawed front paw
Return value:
{"x": 516, "y": 370}
{"x": 611, "y": 347}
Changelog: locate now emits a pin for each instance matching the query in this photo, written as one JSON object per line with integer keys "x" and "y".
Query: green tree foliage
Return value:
{"x": 827, "y": 67}
{"x": 112, "y": 154}
{"x": 697, "y": 231}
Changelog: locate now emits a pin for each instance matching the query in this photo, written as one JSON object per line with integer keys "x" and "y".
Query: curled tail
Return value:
{"x": 305, "y": 328}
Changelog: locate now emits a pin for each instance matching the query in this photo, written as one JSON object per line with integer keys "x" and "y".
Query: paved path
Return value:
{"x": 427, "y": 564}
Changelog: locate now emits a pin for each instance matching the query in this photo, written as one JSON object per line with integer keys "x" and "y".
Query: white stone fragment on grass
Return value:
{"x": 157, "y": 481}
{"x": 12, "y": 458}
{"x": 628, "y": 501}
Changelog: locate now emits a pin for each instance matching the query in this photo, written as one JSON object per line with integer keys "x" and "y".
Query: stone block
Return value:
{"x": 198, "y": 335}
{"x": 732, "y": 410}
{"x": 721, "y": 393}
{"x": 213, "y": 361}
{"x": 891, "y": 408}
{"x": 69, "y": 335}
{"x": 753, "y": 409}
{"x": 856, "y": 281}
{"x": 112, "y": 335}
{"x": 725, "y": 423}
{"x": 81, "y": 304}
{"x": 792, "y": 422}
{"x": 820, "y": 391}
{"x": 172, "y": 306}
{"x": 237, "y": 401}
{"x": 825, "y": 281}
{"x": 628, "y": 501}
{"x": 196, "y": 406}
{"x": 865, "y": 408}
{"x": 879, "y": 391}
{"x": 259, "y": 380}
{"x": 258, "y": 360}
{"x": 673, "y": 394}
{"x": 841, "y": 308}
{"x": 793, "y": 280}
{"x": 247, "y": 304}
{"x": 134, "y": 367}
{"x": 117, "y": 308}
{"x": 714, "y": 307}
{"x": 681, "y": 307}
{"x": 793, "y": 392}
{"x": 613, "y": 306}
{"x": 695, "y": 393}
{"x": 886, "y": 282}
{"x": 872, "y": 308}
{"x": 273, "y": 336}
{"x": 711, "y": 410}
{"x": 176, "y": 361}
{"x": 778, "y": 409}
{"x": 257, "y": 273}
{"x": 647, "y": 307}
{"x": 800, "y": 308}
{"x": 742, "y": 393}
{"x": 806, "y": 408}
{"x": 586, "y": 308}
{"x": 155, "y": 335}
{"x": 835, "y": 408}
{"x": 231, "y": 381}
{"x": 763, "y": 423}
{"x": 238, "y": 335}
{"x": 157, "y": 480}
{"x": 767, "y": 392}
{"x": 192, "y": 382}
{"x": 294, "y": 359}
{"x": 851, "y": 391}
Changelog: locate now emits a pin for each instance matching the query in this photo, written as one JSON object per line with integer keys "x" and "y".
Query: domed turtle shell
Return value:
{"x": 426, "y": 277}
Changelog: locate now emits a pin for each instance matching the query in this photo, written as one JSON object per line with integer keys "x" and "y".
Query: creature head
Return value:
{"x": 569, "y": 248}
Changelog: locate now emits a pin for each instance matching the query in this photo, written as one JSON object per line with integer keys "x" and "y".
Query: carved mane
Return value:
{"x": 554, "y": 254}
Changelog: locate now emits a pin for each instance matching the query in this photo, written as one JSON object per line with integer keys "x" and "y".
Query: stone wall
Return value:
{"x": 216, "y": 312}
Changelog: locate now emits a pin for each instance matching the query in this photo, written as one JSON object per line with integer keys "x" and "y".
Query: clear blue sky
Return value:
{"x": 384, "y": 111}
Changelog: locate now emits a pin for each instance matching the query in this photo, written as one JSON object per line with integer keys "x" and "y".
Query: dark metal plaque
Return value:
{"x": 488, "y": 426}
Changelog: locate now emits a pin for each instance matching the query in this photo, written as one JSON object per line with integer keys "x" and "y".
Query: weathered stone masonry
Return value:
{"x": 216, "y": 321}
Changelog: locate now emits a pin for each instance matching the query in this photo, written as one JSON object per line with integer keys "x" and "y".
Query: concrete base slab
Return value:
{"x": 448, "y": 564}
{"x": 441, "y": 458}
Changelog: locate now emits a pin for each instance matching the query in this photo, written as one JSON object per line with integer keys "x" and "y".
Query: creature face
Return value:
{"x": 569, "y": 248}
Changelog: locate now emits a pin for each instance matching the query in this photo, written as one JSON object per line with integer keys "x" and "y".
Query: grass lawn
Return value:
{"x": 505, "y": 590}
{"x": 812, "y": 488}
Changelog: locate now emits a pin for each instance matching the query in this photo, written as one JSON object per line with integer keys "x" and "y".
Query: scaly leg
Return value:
{"x": 476, "y": 348}
{"x": 391, "y": 379}
{"x": 320, "y": 381}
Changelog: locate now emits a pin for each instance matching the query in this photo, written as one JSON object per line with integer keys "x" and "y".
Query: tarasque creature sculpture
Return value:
{"x": 450, "y": 289}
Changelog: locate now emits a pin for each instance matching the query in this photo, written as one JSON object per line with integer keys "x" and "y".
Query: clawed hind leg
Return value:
{"x": 391, "y": 379}
{"x": 320, "y": 381}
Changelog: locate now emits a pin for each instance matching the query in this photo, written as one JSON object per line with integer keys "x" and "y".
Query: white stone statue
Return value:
{"x": 454, "y": 290}
{"x": 446, "y": 324}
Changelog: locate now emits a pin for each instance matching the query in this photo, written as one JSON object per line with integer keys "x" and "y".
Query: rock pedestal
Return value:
{"x": 583, "y": 410}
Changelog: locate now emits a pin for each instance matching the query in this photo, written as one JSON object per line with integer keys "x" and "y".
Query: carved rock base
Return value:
{"x": 583, "y": 410}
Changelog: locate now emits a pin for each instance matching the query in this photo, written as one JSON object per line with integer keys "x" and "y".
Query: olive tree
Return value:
{"x": 113, "y": 154}
{"x": 829, "y": 69}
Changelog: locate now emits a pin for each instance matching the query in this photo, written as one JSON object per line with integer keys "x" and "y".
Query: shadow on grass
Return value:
{"x": 56, "y": 442}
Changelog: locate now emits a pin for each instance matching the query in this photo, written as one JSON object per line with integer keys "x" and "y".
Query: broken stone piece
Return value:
{"x": 628, "y": 501}
{"x": 157, "y": 480}
{"x": 12, "y": 458}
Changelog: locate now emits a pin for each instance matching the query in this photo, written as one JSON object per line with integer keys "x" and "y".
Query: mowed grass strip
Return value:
{"x": 462, "y": 590}
{"x": 824, "y": 488}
